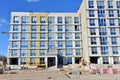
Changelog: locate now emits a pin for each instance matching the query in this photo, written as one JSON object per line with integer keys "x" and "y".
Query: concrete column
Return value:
{"x": 110, "y": 60}
{"x": 73, "y": 60}
{"x": 56, "y": 62}
{"x": 8, "y": 61}
{"x": 19, "y": 61}
{"x": 46, "y": 62}
{"x": 100, "y": 60}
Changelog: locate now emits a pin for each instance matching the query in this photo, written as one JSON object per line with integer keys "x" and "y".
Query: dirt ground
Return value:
{"x": 53, "y": 75}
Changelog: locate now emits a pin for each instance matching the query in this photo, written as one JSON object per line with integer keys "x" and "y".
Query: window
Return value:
{"x": 42, "y": 60}
{"x": 42, "y": 19}
{"x": 51, "y": 20}
{"x": 77, "y": 52}
{"x": 76, "y": 28}
{"x": 59, "y": 19}
{"x": 24, "y": 36}
{"x": 68, "y": 20}
{"x": 51, "y": 50}
{"x": 42, "y": 43}
{"x": 116, "y": 60}
{"x": 118, "y": 22}
{"x": 24, "y": 53}
{"x": 59, "y": 28}
{"x": 90, "y": 4}
{"x": 51, "y": 44}
{"x": 103, "y": 40}
{"x": 51, "y": 36}
{"x": 69, "y": 60}
{"x": 101, "y": 13}
{"x": 14, "y": 44}
{"x": 115, "y": 50}
{"x": 50, "y": 28}
{"x": 68, "y": 28}
{"x": 33, "y": 28}
{"x": 68, "y": 36}
{"x": 60, "y": 36}
{"x": 118, "y": 13}
{"x": 118, "y": 4}
{"x": 76, "y": 20}
{"x": 102, "y": 31}
{"x": 33, "y": 53}
{"x": 23, "y": 60}
{"x": 16, "y": 19}
{"x": 91, "y": 13}
{"x": 77, "y": 43}
{"x": 25, "y": 19}
{"x": 69, "y": 43}
{"x": 34, "y": 19}
{"x": 15, "y": 28}
{"x": 111, "y": 13}
{"x": 111, "y": 21}
{"x": 15, "y": 35}
{"x": 105, "y": 60}
{"x": 42, "y": 52}
{"x": 68, "y": 52}
{"x": 60, "y": 52}
{"x": 42, "y": 35}
{"x": 110, "y": 4}
{"x": 14, "y": 53}
{"x": 42, "y": 28}
{"x": 24, "y": 44}
{"x": 102, "y": 22}
{"x": 24, "y": 28}
{"x": 93, "y": 40}
{"x": 33, "y": 36}
{"x": 92, "y": 22}
{"x": 113, "y": 40}
{"x": 33, "y": 44}
{"x": 92, "y": 31}
{"x": 94, "y": 50}
{"x": 113, "y": 31}
{"x": 60, "y": 44}
{"x": 32, "y": 60}
{"x": 77, "y": 36}
{"x": 100, "y": 4}
{"x": 104, "y": 49}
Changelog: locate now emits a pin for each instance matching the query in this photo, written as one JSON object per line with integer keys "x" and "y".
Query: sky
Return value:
{"x": 6, "y": 6}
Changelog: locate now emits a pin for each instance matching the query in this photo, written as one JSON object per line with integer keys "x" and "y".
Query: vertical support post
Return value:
{"x": 46, "y": 62}
{"x": 56, "y": 62}
{"x": 73, "y": 60}
{"x": 19, "y": 60}
{"x": 8, "y": 61}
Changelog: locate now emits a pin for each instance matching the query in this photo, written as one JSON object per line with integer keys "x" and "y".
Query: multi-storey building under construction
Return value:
{"x": 57, "y": 39}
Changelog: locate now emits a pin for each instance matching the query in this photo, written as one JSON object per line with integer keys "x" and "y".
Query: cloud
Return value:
{"x": 33, "y": 0}
{"x": 3, "y": 21}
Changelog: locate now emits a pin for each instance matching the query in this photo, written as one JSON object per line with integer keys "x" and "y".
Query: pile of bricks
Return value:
{"x": 102, "y": 70}
{"x": 108, "y": 71}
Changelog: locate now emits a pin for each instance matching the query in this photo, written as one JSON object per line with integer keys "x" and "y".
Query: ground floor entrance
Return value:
{"x": 60, "y": 62}
{"x": 13, "y": 61}
{"x": 94, "y": 60}
{"x": 51, "y": 61}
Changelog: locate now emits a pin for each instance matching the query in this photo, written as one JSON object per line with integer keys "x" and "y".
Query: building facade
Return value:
{"x": 100, "y": 21}
{"x": 44, "y": 39}
{"x": 55, "y": 39}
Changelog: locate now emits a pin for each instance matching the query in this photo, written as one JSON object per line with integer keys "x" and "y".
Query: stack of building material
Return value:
{"x": 108, "y": 71}
{"x": 103, "y": 71}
